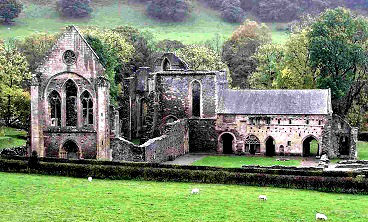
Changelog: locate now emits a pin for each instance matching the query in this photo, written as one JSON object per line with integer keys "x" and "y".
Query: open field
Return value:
{"x": 363, "y": 150}
{"x": 11, "y": 138}
{"x": 48, "y": 198}
{"x": 202, "y": 26}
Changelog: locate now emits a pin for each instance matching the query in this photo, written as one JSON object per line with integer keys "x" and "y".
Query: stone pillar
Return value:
{"x": 36, "y": 129}
{"x": 354, "y": 141}
{"x": 103, "y": 129}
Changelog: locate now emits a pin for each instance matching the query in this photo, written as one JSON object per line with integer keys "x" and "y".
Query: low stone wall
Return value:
{"x": 16, "y": 151}
{"x": 174, "y": 143}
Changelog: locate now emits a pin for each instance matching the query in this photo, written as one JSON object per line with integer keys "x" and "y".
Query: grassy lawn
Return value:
{"x": 362, "y": 150}
{"x": 11, "y": 138}
{"x": 238, "y": 161}
{"x": 202, "y": 26}
{"x": 47, "y": 198}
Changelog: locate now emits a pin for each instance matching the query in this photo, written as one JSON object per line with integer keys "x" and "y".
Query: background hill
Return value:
{"x": 204, "y": 23}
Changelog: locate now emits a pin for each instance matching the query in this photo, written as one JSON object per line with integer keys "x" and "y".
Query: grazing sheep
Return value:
{"x": 321, "y": 216}
{"x": 90, "y": 179}
{"x": 195, "y": 191}
{"x": 262, "y": 197}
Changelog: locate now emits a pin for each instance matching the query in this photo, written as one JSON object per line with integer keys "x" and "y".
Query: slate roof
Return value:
{"x": 272, "y": 102}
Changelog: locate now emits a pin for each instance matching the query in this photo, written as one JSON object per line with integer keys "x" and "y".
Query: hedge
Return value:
{"x": 357, "y": 184}
{"x": 275, "y": 170}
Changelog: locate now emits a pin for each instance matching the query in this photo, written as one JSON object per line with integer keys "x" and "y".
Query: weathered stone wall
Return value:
{"x": 290, "y": 135}
{"x": 203, "y": 135}
{"x": 174, "y": 143}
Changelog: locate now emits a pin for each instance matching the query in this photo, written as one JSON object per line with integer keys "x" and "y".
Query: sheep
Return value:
{"x": 195, "y": 191}
{"x": 321, "y": 216}
{"x": 262, "y": 197}
{"x": 90, "y": 179}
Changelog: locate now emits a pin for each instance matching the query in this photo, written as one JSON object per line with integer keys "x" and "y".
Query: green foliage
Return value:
{"x": 170, "y": 10}
{"x": 10, "y": 138}
{"x": 201, "y": 58}
{"x": 9, "y": 9}
{"x": 238, "y": 51}
{"x": 168, "y": 45}
{"x": 35, "y": 47}
{"x": 338, "y": 50}
{"x": 74, "y": 8}
{"x": 14, "y": 100}
{"x": 239, "y": 161}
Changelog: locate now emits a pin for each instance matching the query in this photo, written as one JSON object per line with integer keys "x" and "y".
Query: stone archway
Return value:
{"x": 310, "y": 146}
{"x": 270, "y": 146}
{"x": 226, "y": 143}
{"x": 70, "y": 150}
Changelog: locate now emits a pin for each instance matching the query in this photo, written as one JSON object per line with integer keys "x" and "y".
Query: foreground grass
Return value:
{"x": 204, "y": 24}
{"x": 363, "y": 150}
{"x": 238, "y": 161}
{"x": 10, "y": 137}
{"x": 47, "y": 198}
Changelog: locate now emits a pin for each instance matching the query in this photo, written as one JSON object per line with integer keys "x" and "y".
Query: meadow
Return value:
{"x": 204, "y": 24}
{"x": 49, "y": 198}
{"x": 10, "y": 137}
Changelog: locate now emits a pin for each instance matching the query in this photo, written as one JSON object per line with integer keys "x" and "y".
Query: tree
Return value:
{"x": 338, "y": 50}
{"x": 74, "y": 8}
{"x": 238, "y": 51}
{"x": 232, "y": 11}
{"x": 14, "y": 100}
{"x": 277, "y": 10}
{"x": 9, "y": 9}
{"x": 201, "y": 58}
{"x": 35, "y": 47}
{"x": 170, "y": 10}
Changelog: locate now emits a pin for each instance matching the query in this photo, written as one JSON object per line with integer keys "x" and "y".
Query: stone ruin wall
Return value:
{"x": 296, "y": 132}
{"x": 174, "y": 143}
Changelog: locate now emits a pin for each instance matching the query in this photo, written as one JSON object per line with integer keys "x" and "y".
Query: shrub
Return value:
{"x": 231, "y": 11}
{"x": 9, "y": 9}
{"x": 169, "y": 10}
{"x": 74, "y": 8}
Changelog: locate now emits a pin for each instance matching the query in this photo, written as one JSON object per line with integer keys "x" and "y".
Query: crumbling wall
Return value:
{"x": 174, "y": 143}
{"x": 203, "y": 136}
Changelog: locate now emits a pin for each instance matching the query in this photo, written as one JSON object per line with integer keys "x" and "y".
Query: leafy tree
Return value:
{"x": 338, "y": 50}
{"x": 14, "y": 100}
{"x": 200, "y": 58}
{"x": 277, "y": 10}
{"x": 232, "y": 11}
{"x": 238, "y": 51}
{"x": 168, "y": 45}
{"x": 34, "y": 48}
{"x": 170, "y": 10}
{"x": 74, "y": 8}
{"x": 9, "y": 9}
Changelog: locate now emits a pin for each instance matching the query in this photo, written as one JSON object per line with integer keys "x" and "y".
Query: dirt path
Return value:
{"x": 187, "y": 159}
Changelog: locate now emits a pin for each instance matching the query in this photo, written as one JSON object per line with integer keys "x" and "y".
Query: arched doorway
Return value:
{"x": 282, "y": 150}
{"x": 344, "y": 146}
{"x": 252, "y": 145}
{"x": 227, "y": 143}
{"x": 166, "y": 65}
{"x": 310, "y": 146}
{"x": 70, "y": 150}
{"x": 270, "y": 146}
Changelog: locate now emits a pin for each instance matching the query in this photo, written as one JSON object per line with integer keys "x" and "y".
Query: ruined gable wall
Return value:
{"x": 295, "y": 132}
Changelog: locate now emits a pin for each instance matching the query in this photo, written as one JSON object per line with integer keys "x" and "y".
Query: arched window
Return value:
{"x": 144, "y": 112}
{"x": 166, "y": 65}
{"x": 69, "y": 150}
{"x": 196, "y": 99}
{"x": 55, "y": 108}
{"x": 252, "y": 145}
{"x": 71, "y": 103}
{"x": 87, "y": 107}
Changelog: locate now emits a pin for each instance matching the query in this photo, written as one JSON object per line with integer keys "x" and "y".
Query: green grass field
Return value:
{"x": 11, "y": 138}
{"x": 29, "y": 198}
{"x": 239, "y": 161}
{"x": 202, "y": 26}
{"x": 363, "y": 150}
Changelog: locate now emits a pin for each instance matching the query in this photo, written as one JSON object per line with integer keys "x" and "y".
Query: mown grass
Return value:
{"x": 363, "y": 150}
{"x": 10, "y": 137}
{"x": 204, "y": 24}
{"x": 47, "y": 198}
{"x": 239, "y": 161}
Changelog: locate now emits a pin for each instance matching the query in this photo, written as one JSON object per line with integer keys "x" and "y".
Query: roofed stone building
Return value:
{"x": 173, "y": 110}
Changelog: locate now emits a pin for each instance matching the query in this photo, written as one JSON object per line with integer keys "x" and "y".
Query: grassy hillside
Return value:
{"x": 49, "y": 198}
{"x": 41, "y": 16}
{"x": 10, "y": 137}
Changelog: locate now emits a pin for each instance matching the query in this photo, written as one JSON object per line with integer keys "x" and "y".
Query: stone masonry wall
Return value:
{"x": 203, "y": 136}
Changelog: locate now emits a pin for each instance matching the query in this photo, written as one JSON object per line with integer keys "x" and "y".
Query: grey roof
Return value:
{"x": 273, "y": 102}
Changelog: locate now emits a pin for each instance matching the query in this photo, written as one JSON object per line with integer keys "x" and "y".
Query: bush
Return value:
{"x": 169, "y": 10}
{"x": 74, "y": 8}
{"x": 231, "y": 11}
{"x": 9, "y": 9}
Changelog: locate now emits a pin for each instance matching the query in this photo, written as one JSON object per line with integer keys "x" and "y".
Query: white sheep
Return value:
{"x": 321, "y": 216}
{"x": 90, "y": 179}
{"x": 262, "y": 197}
{"x": 195, "y": 191}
